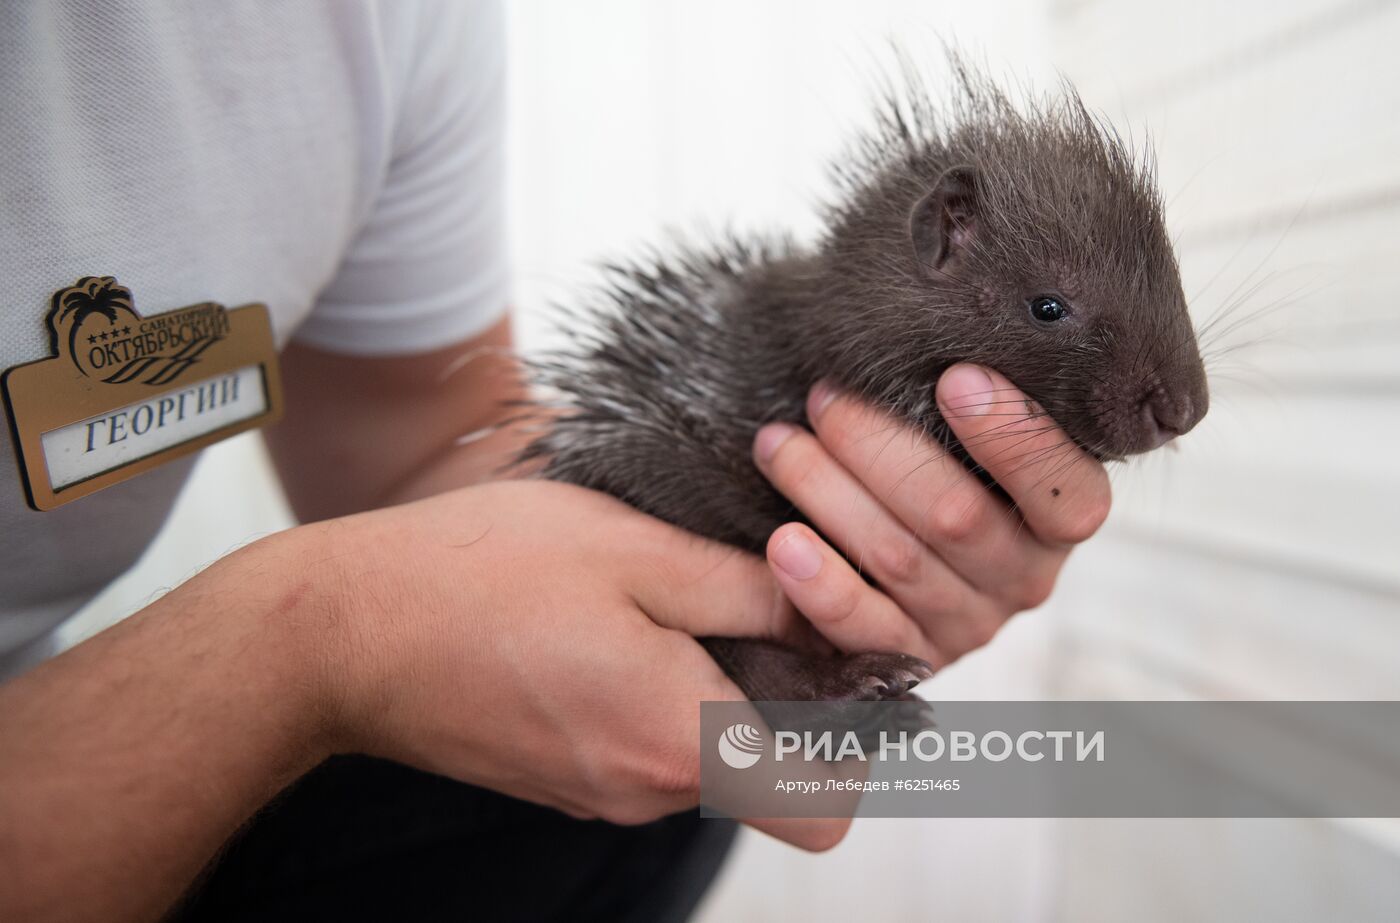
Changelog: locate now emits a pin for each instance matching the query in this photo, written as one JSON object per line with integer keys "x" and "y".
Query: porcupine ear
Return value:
{"x": 943, "y": 223}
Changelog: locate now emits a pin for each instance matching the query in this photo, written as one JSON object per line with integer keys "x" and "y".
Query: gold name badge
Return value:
{"x": 123, "y": 393}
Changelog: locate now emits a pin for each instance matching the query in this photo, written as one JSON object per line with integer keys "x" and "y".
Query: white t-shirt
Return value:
{"x": 339, "y": 160}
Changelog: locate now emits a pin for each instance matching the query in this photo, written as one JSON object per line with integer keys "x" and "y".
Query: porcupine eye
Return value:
{"x": 1047, "y": 309}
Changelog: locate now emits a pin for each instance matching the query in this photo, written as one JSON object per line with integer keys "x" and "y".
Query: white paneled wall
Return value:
{"x": 1260, "y": 560}
{"x": 1263, "y": 559}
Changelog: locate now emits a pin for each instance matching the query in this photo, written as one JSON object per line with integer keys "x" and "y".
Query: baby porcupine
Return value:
{"x": 1028, "y": 239}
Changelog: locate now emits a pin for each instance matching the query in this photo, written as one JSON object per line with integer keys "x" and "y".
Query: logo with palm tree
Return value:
{"x": 106, "y": 339}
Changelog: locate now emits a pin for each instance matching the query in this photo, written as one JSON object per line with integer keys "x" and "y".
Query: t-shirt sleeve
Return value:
{"x": 429, "y": 265}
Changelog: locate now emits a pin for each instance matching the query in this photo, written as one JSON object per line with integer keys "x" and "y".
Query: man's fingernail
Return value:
{"x": 770, "y": 439}
{"x": 967, "y": 391}
{"x": 821, "y": 397}
{"x": 797, "y": 556}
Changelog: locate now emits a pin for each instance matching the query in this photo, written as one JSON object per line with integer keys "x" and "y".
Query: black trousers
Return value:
{"x": 366, "y": 839}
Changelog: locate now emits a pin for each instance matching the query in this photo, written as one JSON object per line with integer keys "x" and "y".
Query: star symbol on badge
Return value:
{"x": 103, "y": 337}
{"x": 126, "y": 330}
{"x": 92, "y": 339}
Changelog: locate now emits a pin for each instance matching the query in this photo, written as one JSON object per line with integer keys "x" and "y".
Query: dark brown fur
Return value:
{"x": 948, "y": 223}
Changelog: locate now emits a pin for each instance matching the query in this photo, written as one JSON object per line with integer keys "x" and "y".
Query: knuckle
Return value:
{"x": 1034, "y": 590}
{"x": 935, "y": 654}
{"x": 838, "y": 422}
{"x": 946, "y": 598}
{"x": 649, "y": 787}
{"x": 770, "y": 602}
{"x": 901, "y": 559}
{"x": 672, "y": 775}
{"x": 641, "y": 782}
{"x": 797, "y": 466}
{"x": 980, "y": 632}
{"x": 843, "y": 601}
{"x": 955, "y": 518}
{"x": 847, "y": 430}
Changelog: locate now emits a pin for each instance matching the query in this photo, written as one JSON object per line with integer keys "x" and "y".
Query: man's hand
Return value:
{"x": 952, "y": 560}
{"x": 538, "y": 639}
{"x": 531, "y": 637}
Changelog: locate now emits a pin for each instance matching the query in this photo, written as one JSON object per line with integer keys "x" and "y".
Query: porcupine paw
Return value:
{"x": 869, "y": 677}
{"x": 801, "y": 690}
{"x": 877, "y": 677}
{"x": 846, "y": 687}
{"x": 769, "y": 672}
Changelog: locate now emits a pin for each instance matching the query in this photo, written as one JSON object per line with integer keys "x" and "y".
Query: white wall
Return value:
{"x": 1258, "y": 561}
{"x": 1263, "y": 559}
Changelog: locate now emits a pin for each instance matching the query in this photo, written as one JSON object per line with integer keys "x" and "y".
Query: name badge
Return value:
{"x": 123, "y": 393}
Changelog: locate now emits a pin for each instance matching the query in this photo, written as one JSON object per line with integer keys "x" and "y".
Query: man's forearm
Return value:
{"x": 126, "y": 762}
{"x": 361, "y": 433}
{"x": 485, "y": 459}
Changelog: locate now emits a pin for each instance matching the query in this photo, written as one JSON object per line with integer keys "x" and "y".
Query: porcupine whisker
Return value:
{"x": 1007, "y": 452}
{"x": 1215, "y": 329}
{"x": 1253, "y": 317}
